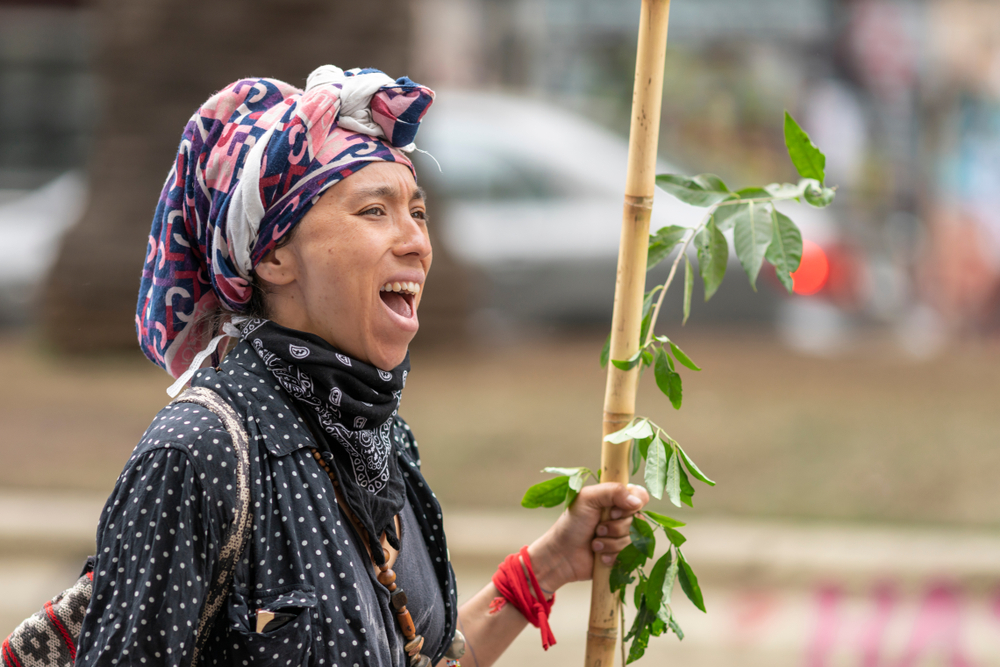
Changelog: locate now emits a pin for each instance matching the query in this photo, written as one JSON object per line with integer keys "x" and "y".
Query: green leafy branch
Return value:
{"x": 652, "y": 594}
{"x": 760, "y": 233}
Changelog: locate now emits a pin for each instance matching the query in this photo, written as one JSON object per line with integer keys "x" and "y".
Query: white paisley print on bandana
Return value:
{"x": 369, "y": 448}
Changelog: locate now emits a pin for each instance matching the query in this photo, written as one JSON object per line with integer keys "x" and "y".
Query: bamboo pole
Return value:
{"x": 619, "y": 396}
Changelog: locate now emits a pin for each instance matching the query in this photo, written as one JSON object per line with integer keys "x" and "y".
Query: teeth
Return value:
{"x": 409, "y": 287}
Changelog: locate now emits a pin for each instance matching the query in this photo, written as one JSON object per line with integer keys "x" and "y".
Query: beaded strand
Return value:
{"x": 386, "y": 577}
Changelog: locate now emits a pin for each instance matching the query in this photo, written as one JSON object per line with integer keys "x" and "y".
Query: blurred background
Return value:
{"x": 852, "y": 427}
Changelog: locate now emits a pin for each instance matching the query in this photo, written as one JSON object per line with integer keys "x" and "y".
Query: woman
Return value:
{"x": 292, "y": 222}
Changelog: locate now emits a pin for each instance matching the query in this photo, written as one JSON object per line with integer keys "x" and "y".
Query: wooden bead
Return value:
{"x": 414, "y": 645}
{"x": 420, "y": 660}
{"x": 398, "y": 599}
{"x": 457, "y": 648}
{"x": 387, "y": 577}
{"x": 406, "y": 623}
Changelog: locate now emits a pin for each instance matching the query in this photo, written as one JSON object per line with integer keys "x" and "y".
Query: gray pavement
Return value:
{"x": 778, "y": 593}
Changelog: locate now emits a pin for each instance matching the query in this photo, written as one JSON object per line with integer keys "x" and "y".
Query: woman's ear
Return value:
{"x": 278, "y": 267}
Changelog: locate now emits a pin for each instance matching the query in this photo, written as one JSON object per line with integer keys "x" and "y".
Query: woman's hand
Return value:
{"x": 566, "y": 551}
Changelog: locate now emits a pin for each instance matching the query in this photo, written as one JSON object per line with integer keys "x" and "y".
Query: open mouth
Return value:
{"x": 399, "y": 297}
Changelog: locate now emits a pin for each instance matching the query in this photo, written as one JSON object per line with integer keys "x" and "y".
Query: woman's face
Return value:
{"x": 354, "y": 270}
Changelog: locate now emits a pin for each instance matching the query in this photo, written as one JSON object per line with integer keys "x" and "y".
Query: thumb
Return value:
{"x": 629, "y": 498}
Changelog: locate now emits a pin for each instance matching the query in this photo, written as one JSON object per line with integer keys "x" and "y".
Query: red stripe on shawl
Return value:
{"x": 10, "y": 660}
{"x": 59, "y": 626}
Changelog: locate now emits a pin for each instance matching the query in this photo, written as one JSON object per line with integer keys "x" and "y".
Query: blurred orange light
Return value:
{"x": 814, "y": 270}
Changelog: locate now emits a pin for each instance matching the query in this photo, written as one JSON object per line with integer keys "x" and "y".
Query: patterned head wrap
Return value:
{"x": 253, "y": 159}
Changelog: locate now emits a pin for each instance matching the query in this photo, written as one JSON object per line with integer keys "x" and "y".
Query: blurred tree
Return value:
{"x": 156, "y": 61}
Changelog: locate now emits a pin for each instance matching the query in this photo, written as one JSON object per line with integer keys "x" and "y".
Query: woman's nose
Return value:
{"x": 413, "y": 238}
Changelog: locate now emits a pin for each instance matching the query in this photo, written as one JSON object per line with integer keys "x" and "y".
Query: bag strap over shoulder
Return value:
{"x": 239, "y": 529}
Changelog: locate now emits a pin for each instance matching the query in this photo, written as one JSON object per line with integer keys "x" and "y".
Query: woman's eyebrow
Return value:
{"x": 377, "y": 191}
{"x": 389, "y": 192}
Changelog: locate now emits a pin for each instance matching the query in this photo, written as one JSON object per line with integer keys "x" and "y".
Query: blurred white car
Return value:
{"x": 529, "y": 181}
{"x": 31, "y": 224}
{"x": 533, "y": 199}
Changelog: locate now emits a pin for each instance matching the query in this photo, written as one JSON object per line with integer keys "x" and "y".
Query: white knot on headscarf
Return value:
{"x": 357, "y": 87}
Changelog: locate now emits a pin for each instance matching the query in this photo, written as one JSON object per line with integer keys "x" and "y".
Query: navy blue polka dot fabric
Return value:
{"x": 160, "y": 532}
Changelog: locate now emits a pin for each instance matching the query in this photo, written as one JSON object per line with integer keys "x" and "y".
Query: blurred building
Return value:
{"x": 902, "y": 95}
{"x": 48, "y": 100}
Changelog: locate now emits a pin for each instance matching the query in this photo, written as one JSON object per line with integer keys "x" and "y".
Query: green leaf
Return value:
{"x": 647, "y": 358}
{"x": 688, "y": 289}
{"x": 619, "y": 578}
{"x": 568, "y": 472}
{"x": 676, "y": 628}
{"x": 549, "y": 493}
{"x": 673, "y": 486}
{"x": 692, "y": 467}
{"x": 606, "y": 351}
{"x": 674, "y": 536}
{"x": 662, "y": 243}
{"x": 576, "y": 482}
{"x": 663, "y": 519}
{"x": 639, "y": 429}
{"x": 647, "y": 300}
{"x": 786, "y": 190}
{"x": 630, "y": 558}
{"x": 669, "y": 580}
{"x": 630, "y": 363}
{"x": 689, "y": 583}
{"x": 724, "y": 214}
{"x": 687, "y": 491}
{"x": 639, "y": 590}
{"x": 752, "y": 236}
{"x": 654, "y": 587}
{"x": 785, "y": 251}
{"x": 667, "y": 379}
{"x": 753, "y": 193}
{"x": 577, "y": 477}
{"x": 636, "y": 457}
{"x": 641, "y": 630}
{"x": 647, "y": 314}
{"x": 702, "y": 190}
{"x": 818, "y": 196}
{"x": 683, "y": 358}
{"x": 656, "y": 468}
{"x": 642, "y": 537}
{"x": 809, "y": 161}
{"x": 643, "y": 444}
{"x": 713, "y": 257}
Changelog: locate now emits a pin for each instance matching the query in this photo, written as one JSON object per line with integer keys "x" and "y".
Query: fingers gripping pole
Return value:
{"x": 619, "y": 397}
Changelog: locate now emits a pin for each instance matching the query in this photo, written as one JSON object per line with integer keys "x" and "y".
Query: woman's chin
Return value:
{"x": 387, "y": 354}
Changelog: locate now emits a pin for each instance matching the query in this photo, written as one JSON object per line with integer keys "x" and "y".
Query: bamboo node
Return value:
{"x": 618, "y": 417}
{"x": 639, "y": 202}
{"x": 603, "y": 633}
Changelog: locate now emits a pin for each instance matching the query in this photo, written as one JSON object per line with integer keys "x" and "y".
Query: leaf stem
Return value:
{"x": 621, "y": 616}
{"x": 753, "y": 200}
{"x": 673, "y": 272}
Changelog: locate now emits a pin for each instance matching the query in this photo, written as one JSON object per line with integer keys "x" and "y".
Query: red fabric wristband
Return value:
{"x": 512, "y": 583}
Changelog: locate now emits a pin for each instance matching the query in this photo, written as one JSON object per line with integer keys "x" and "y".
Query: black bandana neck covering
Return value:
{"x": 350, "y": 406}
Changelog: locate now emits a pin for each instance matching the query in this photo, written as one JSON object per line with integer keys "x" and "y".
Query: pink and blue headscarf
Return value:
{"x": 253, "y": 159}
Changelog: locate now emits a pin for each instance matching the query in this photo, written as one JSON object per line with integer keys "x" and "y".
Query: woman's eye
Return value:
{"x": 374, "y": 210}
{"x": 419, "y": 214}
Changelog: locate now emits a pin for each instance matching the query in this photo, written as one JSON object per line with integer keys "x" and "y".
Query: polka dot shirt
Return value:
{"x": 161, "y": 529}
